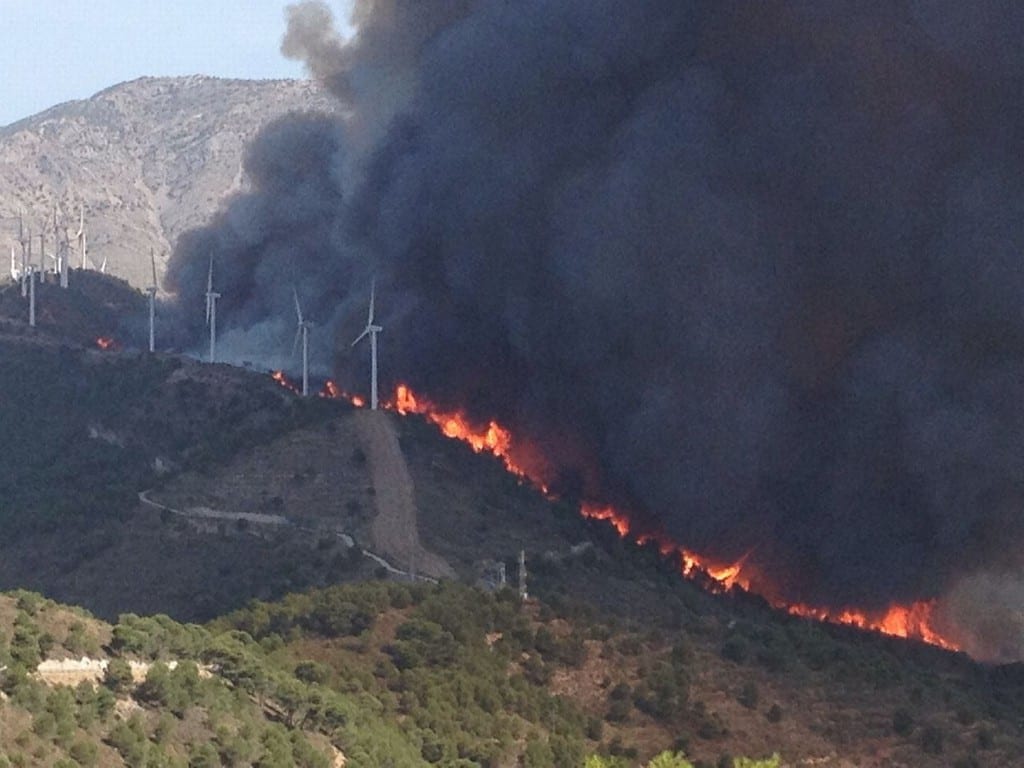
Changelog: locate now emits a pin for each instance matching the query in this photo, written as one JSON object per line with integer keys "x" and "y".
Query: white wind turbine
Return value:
{"x": 371, "y": 330}
{"x": 42, "y": 254}
{"x": 26, "y": 250}
{"x": 61, "y": 250}
{"x": 80, "y": 237}
{"x": 152, "y": 304}
{"x": 31, "y": 296}
{"x": 28, "y": 268}
{"x": 303, "y": 332}
{"x": 211, "y": 312}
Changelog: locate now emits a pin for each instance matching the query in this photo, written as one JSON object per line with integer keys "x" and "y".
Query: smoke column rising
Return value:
{"x": 752, "y": 269}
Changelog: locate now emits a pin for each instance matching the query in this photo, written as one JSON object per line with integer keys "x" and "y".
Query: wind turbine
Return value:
{"x": 26, "y": 245}
{"x": 152, "y": 304}
{"x": 211, "y": 312}
{"x": 303, "y": 332}
{"x": 31, "y": 296}
{"x": 26, "y": 267}
{"x": 80, "y": 237}
{"x": 61, "y": 250}
{"x": 371, "y": 330}
{"x": 42, "y": 254}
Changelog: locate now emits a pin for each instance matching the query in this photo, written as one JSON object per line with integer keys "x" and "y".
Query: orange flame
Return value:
{"x": 490, "y": 438}
{"x": 914, "y": 621}
{"x": 283, "y": 380}
{"x": 911, "y": 621}
{"x": 725, "y": 576}
{"x": 331, "y": 391}
{"x": 106, "y": 343}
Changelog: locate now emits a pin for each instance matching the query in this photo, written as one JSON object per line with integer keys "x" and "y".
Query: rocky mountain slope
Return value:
{"x": 148, "y": 160}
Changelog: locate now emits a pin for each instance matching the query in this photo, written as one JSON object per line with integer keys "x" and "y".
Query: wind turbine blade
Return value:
{"x": 152, "y": 263}
{"x": 360, "y": 337}
{"x": 373, "y": 294}
{"x": 298, "y": 308}
{"x": 209, "y": 278}
{"x": 295, "y": 344}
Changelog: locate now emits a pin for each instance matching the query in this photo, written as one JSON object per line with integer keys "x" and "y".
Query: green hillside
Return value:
{"x": 391, "y": 674}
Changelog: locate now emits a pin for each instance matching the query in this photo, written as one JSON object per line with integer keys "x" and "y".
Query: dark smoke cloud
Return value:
{"x": 752, "y": 268}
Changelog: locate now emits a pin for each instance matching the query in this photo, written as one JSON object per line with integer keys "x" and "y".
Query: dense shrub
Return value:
{"x": 902, "y": 722}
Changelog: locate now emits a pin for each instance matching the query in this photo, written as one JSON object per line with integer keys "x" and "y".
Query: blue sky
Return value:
{"x": 52, "y": 51}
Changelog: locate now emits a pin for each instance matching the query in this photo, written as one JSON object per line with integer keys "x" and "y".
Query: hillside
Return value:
{"x": 149, "y": 159}
{"x": 153, "y": 485}
{"x": 415, "y": 675}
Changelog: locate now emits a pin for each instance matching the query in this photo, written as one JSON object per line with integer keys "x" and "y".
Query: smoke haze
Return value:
{"x": 752, "y": 269}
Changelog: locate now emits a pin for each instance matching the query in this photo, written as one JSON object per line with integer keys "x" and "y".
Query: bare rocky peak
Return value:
{"x": 149, "y": 159}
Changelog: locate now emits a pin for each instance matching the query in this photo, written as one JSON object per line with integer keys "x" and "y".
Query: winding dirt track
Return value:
{"x": 394, "y": 527}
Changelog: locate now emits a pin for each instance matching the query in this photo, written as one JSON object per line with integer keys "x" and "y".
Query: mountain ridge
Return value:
{"x": 149, "y": 159}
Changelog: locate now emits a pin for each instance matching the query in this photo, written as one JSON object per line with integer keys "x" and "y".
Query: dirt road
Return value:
{"x": 394, "y": 528}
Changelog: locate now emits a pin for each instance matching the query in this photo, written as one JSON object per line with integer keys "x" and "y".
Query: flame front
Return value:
{"x": 106, "y": 343}
{"x": 914, "y": 621}
{"x": 724, "y": 576}
{"x": 284, "y": 381}
{"x": 490, "y": 438}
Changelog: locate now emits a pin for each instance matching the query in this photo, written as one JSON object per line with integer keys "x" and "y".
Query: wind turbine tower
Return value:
{"x": 211, "y": 312}
{"x": 152, "y": 303}
{"x": 31, "y": 296}
{"x": 61, "y": 249}
{"x": 303, "y": 332}
{"x": 42, "y": 255}
{"x": 371, "y": 330}
{"x": 27, "y": 264}
{"x": 26, "y": 246}
{"x": 80, "y": 237}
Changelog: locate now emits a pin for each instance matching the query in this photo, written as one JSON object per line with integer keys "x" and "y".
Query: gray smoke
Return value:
{"x": 752, "y": 269}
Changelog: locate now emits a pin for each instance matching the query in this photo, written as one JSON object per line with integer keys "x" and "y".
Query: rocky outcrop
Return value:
{"x": 149, "y": 159}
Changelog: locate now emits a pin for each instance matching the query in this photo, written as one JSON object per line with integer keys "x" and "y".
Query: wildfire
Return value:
{"x": 914, "y": 621}
{"x": 331, "y": 391}
{"x": 283, "y": 380}
{"x": 106, "y": 343}
{"x": 490, "y": 438}
{"x": 690, "y": 564}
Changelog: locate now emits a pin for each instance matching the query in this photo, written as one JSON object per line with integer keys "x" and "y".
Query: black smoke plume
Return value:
{"x": 754, "y": 269}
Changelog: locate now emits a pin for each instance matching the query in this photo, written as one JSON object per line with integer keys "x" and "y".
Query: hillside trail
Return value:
{"x": 394, "y": 527}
